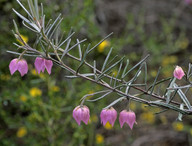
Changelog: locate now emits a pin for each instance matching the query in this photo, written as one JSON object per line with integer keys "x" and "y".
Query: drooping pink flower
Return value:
{"x": 20, "y": 65}
{"x": 81, "y": 113}
{"x": 41, "y": 64}
{"x": 178, "y": 73}
{"x": 108, "y": 115}
{"x": 127, "y": 117}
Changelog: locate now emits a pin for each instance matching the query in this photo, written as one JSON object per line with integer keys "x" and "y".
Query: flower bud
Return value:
{"x": 127, "y": 117}
{"x": 108, "y": 115}
{"x": 41, "y": 64}
{"x": 81, "y": 113}
{"x": 178, "y": 72}
{"x": 20, "y": 65}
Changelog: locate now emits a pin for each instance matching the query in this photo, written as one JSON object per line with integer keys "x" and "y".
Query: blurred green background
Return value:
{"x": 37, "y": 109}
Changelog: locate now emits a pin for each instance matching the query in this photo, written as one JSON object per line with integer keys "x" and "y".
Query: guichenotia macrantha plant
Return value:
{"x": 48, "y": 36}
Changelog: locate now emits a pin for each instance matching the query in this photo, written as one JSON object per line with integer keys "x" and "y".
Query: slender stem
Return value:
{"x": 99, "y": 82}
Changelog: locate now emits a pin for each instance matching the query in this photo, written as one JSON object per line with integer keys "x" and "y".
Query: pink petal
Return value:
{"x": 13, "y": 66}
{"x": 39, "y": 64}
{"x": 122, "y": 118}
{"x": 103, "y": 116}
{"x": 22, "y": 67}
{"x": 131, "y": 119}
{"x": 114, "y": 116}
{"x": 48, "y": 65}
{"x": 178, "y": 73}
{"x": 76, "y": 113}
{"x": 85, "y": 116}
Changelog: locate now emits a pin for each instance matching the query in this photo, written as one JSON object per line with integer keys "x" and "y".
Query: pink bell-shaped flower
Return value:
{"x": 81, "y": 113}
{"x": 178, "y": 73}
{"x": 20, "y": 65}
{"x": 41, "y": 64}
{"x": 127, "y": 117}
{"x": 108, "y": 115}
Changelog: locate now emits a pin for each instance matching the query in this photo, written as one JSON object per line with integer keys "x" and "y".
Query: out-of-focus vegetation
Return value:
{"x": 37, "y": 109}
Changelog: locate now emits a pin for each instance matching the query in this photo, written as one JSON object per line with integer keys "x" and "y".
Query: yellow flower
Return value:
{"x": 99, "y": 138}
{"x": 34, "y": 72}
{"x": 167, "y": 60}
{"x": 183, "y": 44}
{"x": 103, "y": 45}
{"x": 42, "y": 75}
{"x": 23, "y": 98}
{"x": 94, "y": 118}
{"x": 132, "y": 106}
{"x": 153, "y": 73}
{"x": 178, "y": 126}
{"x": 5, "y": 77}
{"x": 25, "y": 39}
{"x": 114, "y": 73}
{"x": 22, "y": 131}
{"x": 35, "y": 92}
{"x": 55, "y": 89}
{"x": 143, "y": 107}
{"x": 90, "y": 92}
{"x": 108, "y": 126}
{"x": 190, "y": 131}
{"x": 148, "y": 117}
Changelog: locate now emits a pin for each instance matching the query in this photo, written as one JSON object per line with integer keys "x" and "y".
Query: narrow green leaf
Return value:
{"x": 112, "y": 60}
{"x": 66, "y": 48}
{"x": 110, "y": 68}
{"x": 111, "y": 80}
{"x": 23, "y": 22}
{"x": 15, "y": 25}
{"x": 83, "y": 58}
{"x": 101, "y": 97}
{"x": 56, "y": 28}
{"x": 145, "y": 73}
{"x": 154, "y": 83}
{"x": 65, "y": 40}
{"x": 26, "y": 20}
{"x": 24, "y": 9}
{"x": 94, "y": 69}
{"x": 115, "y": 102}
{"x": 99, "y": 42}
{"x": 79, "y": 47}
{"x": 180, "y": 116}
{"x": 106, "y": 59}
{"x": 170, "y": 106}
{"x": 136, "y": 65}
{"x": 125, "y": 69}
{"x": 42, "y": 12}
{"x": 32, "y": 9}
{"x": 183, "y": 97}
{"x": 16, "y": 53}
{"x": 52, "y": 25}
{"x": 37, "y": 9}
{"x": 129, "y": 83}
{"x": 120, "y": 66}
{"x": 65, "y": 52}
{"x": 161, "y": 111}
{"x": 86, "y": 75}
